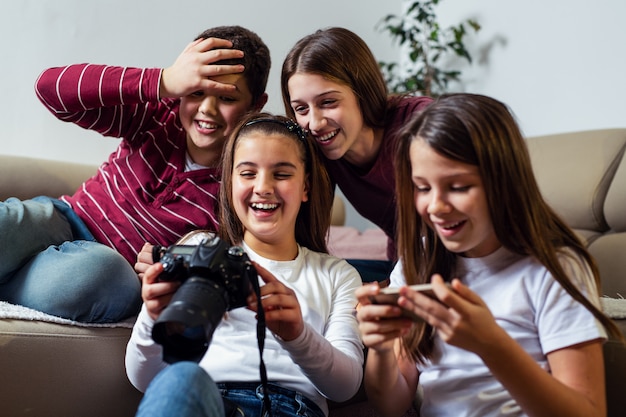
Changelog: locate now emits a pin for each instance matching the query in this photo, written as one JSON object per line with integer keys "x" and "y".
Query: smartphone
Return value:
{"x": 390, "y": 296}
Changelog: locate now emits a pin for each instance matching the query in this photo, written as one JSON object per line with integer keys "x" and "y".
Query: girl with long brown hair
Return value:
{"x": 518, "y": 330}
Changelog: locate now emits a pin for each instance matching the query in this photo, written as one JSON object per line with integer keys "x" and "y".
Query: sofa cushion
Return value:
{"x": 608, "y": 251}
{"x": 51, "y": 369}
{"x": 614, "y": 207}
{"x": 574, "y": 173}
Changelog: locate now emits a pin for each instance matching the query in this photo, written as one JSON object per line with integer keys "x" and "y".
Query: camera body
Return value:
{"x": 215, "y": 278}
{"x": 214, "y": 261}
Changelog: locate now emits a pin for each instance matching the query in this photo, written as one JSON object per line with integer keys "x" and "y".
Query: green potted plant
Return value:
{"x": 427, "y": 44}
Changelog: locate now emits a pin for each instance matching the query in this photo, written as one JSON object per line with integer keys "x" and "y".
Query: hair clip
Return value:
{"x": 293, "y": 127}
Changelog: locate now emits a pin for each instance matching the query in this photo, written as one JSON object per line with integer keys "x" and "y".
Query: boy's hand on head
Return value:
{"x": 194, "y": 67}
{"x": 281, "y": 307}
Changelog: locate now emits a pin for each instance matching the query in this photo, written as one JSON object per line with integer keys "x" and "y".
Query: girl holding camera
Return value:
{"x": 275, "y": 202}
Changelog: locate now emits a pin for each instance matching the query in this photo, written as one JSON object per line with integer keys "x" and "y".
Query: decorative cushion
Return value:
{"x": 349, "y": 243}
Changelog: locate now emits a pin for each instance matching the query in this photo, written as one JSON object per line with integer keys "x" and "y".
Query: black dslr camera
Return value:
{"x": 216, "y": 278}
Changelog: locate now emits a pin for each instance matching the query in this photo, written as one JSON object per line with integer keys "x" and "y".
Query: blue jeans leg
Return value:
{"x": 81, "y": 280}
{"x": 26, "y": 228}
{"x": 180, "y": 390}
{"x": 44, "y": 267}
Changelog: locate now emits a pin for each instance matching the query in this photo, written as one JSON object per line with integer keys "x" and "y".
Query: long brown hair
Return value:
{"x": 313, "y": 221}
{"x": 481, "y": 131}
{"x": 341, "y": 56}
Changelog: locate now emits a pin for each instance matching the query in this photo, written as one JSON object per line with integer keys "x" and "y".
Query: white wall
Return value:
{"x": 559, "y": 64}
{"x": 37, "y": 34}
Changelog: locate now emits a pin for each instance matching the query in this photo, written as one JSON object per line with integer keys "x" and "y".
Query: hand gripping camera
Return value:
{"x": 216, "y": 278}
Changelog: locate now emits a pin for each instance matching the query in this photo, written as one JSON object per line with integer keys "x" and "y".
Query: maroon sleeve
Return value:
{"x": 99, "y": 97}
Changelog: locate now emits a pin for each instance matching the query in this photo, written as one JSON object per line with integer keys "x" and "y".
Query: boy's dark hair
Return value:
{"x": 256, "y": 55}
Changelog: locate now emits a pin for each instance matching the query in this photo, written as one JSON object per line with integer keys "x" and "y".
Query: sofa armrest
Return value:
{"x": 52, "y": 369}
{"x": 24, "y": 177}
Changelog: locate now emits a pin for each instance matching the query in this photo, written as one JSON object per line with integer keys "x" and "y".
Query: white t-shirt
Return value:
{"x": 531, "y": 306}
{"x": 325, "y": 361}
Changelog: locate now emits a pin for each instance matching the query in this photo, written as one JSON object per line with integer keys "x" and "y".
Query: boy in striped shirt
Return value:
{"x": 73, "y": 256}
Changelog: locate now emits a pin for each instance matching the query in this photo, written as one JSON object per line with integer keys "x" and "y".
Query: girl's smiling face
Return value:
{"x": 451, "y": 199}
{"x": 268, "y": 187}
{"x": 329, "y": 110}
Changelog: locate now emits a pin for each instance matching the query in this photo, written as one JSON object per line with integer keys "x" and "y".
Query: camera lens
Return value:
{"x": 186, "y": 326}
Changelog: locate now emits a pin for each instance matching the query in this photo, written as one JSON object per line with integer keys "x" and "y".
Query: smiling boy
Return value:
{"x": 73, "y": 256}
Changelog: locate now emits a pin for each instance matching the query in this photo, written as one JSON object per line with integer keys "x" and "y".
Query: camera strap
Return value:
{"x": 260, "y": 335}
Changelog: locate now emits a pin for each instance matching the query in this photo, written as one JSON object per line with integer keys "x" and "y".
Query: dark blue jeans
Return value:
{"x": 372, "y": 270}
{"x": 248, "y": 396}
{"x": 184, "y": 389}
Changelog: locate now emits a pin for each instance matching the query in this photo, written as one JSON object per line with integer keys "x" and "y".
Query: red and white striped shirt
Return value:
{"x": 142, "y": 193}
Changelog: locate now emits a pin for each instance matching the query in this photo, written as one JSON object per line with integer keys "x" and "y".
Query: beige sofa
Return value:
{"x": 52, "y": 369}
{"x": 583, "y": 176}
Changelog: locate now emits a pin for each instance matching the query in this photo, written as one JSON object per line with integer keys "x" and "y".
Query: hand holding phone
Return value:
{"x": 390, "y": 296}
